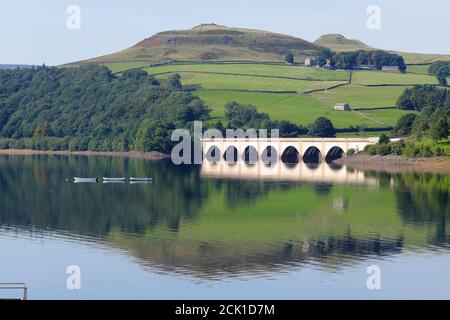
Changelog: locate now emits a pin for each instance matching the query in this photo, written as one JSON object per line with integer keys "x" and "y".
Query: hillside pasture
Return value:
{"x": 360, "y": 96}
{"x": 386, "y": 78}
{"x": 273, "y": 89}
{"x": 268, "y": 70}
{"x": 386, "y": 116}
{"x": 210, "y": 81}
{"x": 297, "y": 108}
{"x": 420, "y": 58}
{"x": 418, "y": 68}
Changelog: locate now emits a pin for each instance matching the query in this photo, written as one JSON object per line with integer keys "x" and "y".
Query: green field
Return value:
{"x": 380, "y": 78}
{"x": 386, "y": 116}
{"x": 361, "y": 134}
{"x": 360, "y": 96}
{"x": 211, "y": 81}
{"x": 220, "y": 83}
{"x": 256, "y": 69}
{"x": 297, "y": 108}
{"x": 419, "y": 69}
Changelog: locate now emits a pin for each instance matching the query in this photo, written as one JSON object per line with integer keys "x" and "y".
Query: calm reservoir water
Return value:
{"x": 221, "y": 232}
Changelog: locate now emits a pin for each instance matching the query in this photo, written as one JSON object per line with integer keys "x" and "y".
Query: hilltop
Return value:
{"x": 212, "y": 42}
{"x": 337, "y": 42}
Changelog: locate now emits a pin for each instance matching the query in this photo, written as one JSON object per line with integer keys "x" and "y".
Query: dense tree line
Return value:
{"x": 440, "y": 69}
{"x": 419, "y": 97}
{"x": 432, "y": 120}
{"x": 351, "y": 60}
{"x": 89, "y": 108}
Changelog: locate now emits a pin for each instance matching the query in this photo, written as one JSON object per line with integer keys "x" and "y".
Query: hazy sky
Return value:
{"x": 35, "y": 32}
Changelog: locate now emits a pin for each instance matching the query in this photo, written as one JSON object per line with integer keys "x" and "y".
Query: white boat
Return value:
{"x": 84, "y": 180}
{"x": 141, "y": 179}
{"x": 114, "y": 179}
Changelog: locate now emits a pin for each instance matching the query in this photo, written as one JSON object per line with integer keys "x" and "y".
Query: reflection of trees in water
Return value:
{"x": 353, "y": 245}
{"x": 33, "y": 193}
{"x": 422, "y": 198}
{"x": 238, "y": 193}
{"x": 323, "y": 189}
{"x": 216, "y": 260}
{"x": 383, "y": 178}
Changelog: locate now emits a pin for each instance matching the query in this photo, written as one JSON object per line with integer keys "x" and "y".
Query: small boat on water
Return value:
{"x": 84, "y": 180}
{"x": 141, "y": 179}
{"x": 114, "y": 179}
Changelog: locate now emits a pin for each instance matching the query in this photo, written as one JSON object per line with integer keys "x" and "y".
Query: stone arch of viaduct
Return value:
{"x": 301, "y": 145}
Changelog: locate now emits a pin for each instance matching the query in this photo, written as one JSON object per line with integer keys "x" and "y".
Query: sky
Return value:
{"x": 36, "y": 32}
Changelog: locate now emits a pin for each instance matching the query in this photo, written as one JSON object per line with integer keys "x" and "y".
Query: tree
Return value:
{"x": 289, "y": 129}
{"x": 439, "y": 130}
{"x": 322, "y": 127}
{"x": 404, "y": 125}
{"x": 384, "y": 139}
{"x": 440, "y": 69}
{"x": 418, "y": 97}
{"x": 324, "y": 56}
{"x": 175, "y": 82}
{"x": 136, "y": 74}
{"x": 154, "y": 135}
{"x": 376, "y": 58}
{"x": 289, "y": 58}
{"x": 441, "y": 76}
{"x": 245, "y": 116}
{"x": 43, "y": 129}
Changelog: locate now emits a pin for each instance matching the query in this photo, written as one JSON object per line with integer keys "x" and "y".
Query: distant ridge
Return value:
{"x": 15, "y": 66}
{"x": 212, "y": 42}
{"x": 338, "y": 42}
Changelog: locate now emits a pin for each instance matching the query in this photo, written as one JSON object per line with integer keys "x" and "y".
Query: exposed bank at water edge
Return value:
{"x": 394, "y": 163}
{"x": 152, "y": 155}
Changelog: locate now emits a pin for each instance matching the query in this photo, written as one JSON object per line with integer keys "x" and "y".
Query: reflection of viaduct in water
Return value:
{"x": 321, "y": 172}
{"x": 288, "y": 150}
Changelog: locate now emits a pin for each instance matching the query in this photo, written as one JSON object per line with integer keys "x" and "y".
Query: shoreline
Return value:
{"x": 391, "y": 163}
{"x": 152, "y": 155}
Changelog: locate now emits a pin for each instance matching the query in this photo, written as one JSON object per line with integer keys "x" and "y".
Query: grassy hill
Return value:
{"x": 340, "y": 43}
{"x": 210, "y": 42}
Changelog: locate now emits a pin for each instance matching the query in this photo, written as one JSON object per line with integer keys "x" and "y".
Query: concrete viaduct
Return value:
{"x": 288, "y": 150}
